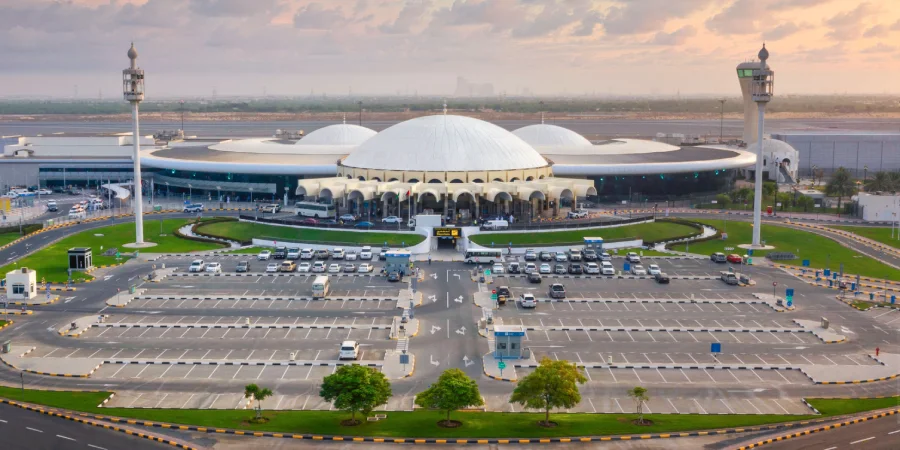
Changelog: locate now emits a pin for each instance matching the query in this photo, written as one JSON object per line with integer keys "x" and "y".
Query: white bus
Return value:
{"x": 313, "y": 209}
{"x": 320, "y": 287}
{"x": 484, "y": 256}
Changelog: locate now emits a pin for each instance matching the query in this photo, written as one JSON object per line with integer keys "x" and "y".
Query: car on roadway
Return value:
{"x": 309, "y": 221}
{"x": 214, "y": 267}
{"x": 575, "y": 269}
{"x": 530, "y": 255}
{"x": 288, "y": 266}
{"x": 349, "y": 268}
{"x": 391, "y": 219}
{"x": 734, "y": 258}
{"x": 364, "y": 224}
{"x": 527, "y": 301}
{"x": 661, "y": 278}
{"x": 293, "y": 253}
{"x": 319, "y": 267}
{"x": 272, "y": 267}
{"x": 653, "y": 269}
{"x": 534, "y": 277}
{"x": 638, "y": 269}
{"x": 44, "y": 191}
{"x": 242, "y": 267}
{"x": 334, "y": 268}
{"x": 557, "y": 290}
{"x": 350, "y": 255}
{"x": 546, "y": 256}
{"x": 304, "y": 267}
{"x": 606, "y": 268}
{"x": 633, "y": 257}
{"x": 194, "y": 208}
{"x": 393, "y": 276}
{"x": 348, "y": 218}
{"x": 307, "y": 253}
{"x": 560, "y": 269}
{"x": 589, "y": 254}
{"x": 366, "y": 253}
{"x": 52, "y": 206}
{"x": 365, "y": 268}
{"x": 545, "y": 268}
{"x": 197, "y": 265}
{"x": 578, "y": 214}
{"x": 264, "y": 255}
{"x": 337, "y": 253}
{"x": 718, "y": 257}
{"x": 561, "y": 257}
{"x": 530, "y": 268}
{"x": 498, "y": 268}
{"x": 592, "y": 268}
{"x": 322, "y": 254}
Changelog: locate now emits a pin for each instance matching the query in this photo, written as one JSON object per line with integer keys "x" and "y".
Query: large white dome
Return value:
{"x": 445, "y": 143}
{"x": 546, "y": 135}
{"x": 338, "y": 134}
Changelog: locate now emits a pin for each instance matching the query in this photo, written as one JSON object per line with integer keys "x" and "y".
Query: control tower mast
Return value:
{"x": 761, "y": 90}
{"x": 133, "y": 90}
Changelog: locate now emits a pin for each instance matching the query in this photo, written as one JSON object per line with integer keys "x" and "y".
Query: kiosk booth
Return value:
{"x": 21, "y": 284}
{"x": 595, "y": 243}
{"x": 80, "y": 258}
{"x": 398, "y": 261}
{"x": 508, "y": 341}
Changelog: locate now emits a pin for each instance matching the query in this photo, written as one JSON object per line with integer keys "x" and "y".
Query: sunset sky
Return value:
{"x": 289, "y": 47}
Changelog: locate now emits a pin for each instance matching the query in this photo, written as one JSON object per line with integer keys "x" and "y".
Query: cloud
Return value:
{"x": 676, "y": 37}
{"x": 741, "y": 17}
{"x": 589, "y": 22}
{"x": 496, "y": 15}
{"x": 781, "y": 5}
{"x": 782, "y": 31}
{"x": 234, "y": 8}
{"x": 896, "y": 26}
{"x": 879, "y": 48}
{"x": 549, "y": 19}
{"x": 848, "y": 25}
{"x": 876, "y": 31}
{"x": 412, "y": 14}
{"x": 645, "y": 16}
{"x": 316, "y": 17}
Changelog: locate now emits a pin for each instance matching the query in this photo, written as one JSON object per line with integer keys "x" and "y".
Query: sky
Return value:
{"x": 77, "y": 48}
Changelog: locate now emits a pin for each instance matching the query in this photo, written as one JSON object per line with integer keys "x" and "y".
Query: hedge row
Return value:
{"x": 27, "y": 228}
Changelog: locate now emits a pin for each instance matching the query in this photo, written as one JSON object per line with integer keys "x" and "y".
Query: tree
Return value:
{"x": 840, "y": 185}
{"x": 355, "y": 389}
{"x": 552, "y": 385}
{"x": 784, "y": 198}
{"x": 255, "y": 392}
{"x": 723, "y": 201}
{"x": 639, "y": 395}
{"x": 883, "y": 182}
{"x": 806, "y": 202}
{"x": 452, "y": 391}
{"x": 769, "y": 188}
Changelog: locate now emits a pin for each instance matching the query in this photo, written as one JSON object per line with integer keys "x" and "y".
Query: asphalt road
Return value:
{"x": 877, "y": 434}
{"x": 27, "y": 430}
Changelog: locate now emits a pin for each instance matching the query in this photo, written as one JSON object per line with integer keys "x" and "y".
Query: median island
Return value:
{"x": 245, "y": 232}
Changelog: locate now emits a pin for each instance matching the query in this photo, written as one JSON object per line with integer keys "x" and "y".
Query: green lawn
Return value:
{"x": 623, "y": 251}
{"x": 6, "y": 238}
{"x": 819, "y": 250}
{"x": 246, "y": 231}
{"x": 51, "y": 262}
{"x": 880, "y": 234}
{"x": 422, "y": 423}
{"x": 3, "y": 323}
{"x": 247, "y": 251}
{"x": 646, "y": 231}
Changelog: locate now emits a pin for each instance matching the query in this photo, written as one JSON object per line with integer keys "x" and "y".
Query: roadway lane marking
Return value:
{"x": 1, "y": 420}
{"x": 33, "y": 429}
{"x": 894, "y": 432}
{"x": 65, "y": 437}
{"x": 862, "y": 440}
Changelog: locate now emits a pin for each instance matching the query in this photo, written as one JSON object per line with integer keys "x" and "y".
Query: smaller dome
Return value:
{"x": 132, "y": 52}
{"x": 774, "y": 147}
{"x": 338, "y": 134}
{"x": 763, "y": 54}
{"x": 545, "y": 135}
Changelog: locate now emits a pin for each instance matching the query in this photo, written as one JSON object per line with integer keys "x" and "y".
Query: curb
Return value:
{"x": 819, "y": 429}
{"x": 8, "y": 323}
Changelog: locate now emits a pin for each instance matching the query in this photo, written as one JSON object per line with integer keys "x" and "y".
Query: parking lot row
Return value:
{"x": 705, "y": 358}
{"x": 619, "y": 337}
{"x": 159, "y": 321}
{"x": 642, "y": 306}
{"x": 198, "y": 372}
{"x": 193, "y": 354}
{"x": 292, "y": 304}
{"x": 650, "y": 324}
{"x": 700, "y": 376}
{"x": 245, "y": 334}
{"x": 278, "y": 402}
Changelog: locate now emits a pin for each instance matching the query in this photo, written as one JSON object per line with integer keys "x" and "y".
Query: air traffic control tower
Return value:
{"x": 751, "y": 110}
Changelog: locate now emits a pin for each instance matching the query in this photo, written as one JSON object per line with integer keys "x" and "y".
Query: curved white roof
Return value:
{"x": 772, "y": 146}
{"x": 338, "y": 134}
{"x": 546, "y": 135}
{"x": 445, "y": 143}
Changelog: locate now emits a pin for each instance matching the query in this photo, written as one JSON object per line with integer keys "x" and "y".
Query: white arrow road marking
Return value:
{"x": 433, "y": 298}
{"x": 434, "y": 275}
{"x": 757, "y": 390}
{"x": 846, "y": 330}
{"x": 456, "y": 275}
{"x": 790, "y": 348}
{"x": 461, "y": 330}
{"x": 433, "y": 362}
{"x": 468, "y": 362}
{"x": 107, "y": 277}
{"x": 458, "y": 299}
{"x": 435, "y": 329}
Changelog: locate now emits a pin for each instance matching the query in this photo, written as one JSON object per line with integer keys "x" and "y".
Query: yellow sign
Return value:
{"x": 4, "y": 204}
{"x": 446, "y": 232}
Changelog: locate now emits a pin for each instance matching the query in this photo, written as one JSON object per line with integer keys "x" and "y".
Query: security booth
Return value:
{"x": 398, "y": 261}
{"x": 21, "y": 284}
{"x": 446, "y": 237}
{"x": 594, "y": 243}
{"x": 508, "y": 341}
{"x": 80, "y": 258}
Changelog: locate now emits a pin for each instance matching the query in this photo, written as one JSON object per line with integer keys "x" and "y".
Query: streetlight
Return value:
{"x": 190, "y": 192}
{"x": 167, "y": 191}
{"x": 813, "y": 174}
{"x": 865, "y": 174}
{"x": 721, "y": 118}
{"x": 360, "y": 112}
{"x": 219, "y": 192}
{"x": 251, "y": 195}
{"x": 182, "y": 116}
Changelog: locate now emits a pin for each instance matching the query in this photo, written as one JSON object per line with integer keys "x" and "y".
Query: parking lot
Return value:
{"x": 672, "y": 267}
{"x": 286, "y": 285}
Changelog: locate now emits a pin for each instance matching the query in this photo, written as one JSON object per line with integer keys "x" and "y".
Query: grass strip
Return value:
{"x": 880, "y": 234}
{"x": 655, "y": 231}
{"x": 246, "y": 231}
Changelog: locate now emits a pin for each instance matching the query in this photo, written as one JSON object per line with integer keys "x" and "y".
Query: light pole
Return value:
{"x": 865, "y": 175}
{"x": 542, "y": 111}
{"x": 360, "y": 112}
{"x": 190, "y": 192}
{"x": 133, "y": 90}
{"x": 813, "y": 174}
{"x": 251, "y": 196}
{"x": 167, "y": 191}
{"x": 763, "y": 80}
{"x": 721, "y": 118}
{"x": 219, "y": 193}
{"x": 182, "y": 116}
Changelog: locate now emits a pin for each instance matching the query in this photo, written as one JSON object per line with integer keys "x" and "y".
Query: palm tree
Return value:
{"x": 883, "y": 182}
{"x": 840, "y": 185}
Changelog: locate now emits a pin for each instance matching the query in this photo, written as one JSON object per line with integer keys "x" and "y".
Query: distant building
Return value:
{"x": 465, "y": 88}
{"x": 879, "y": 151}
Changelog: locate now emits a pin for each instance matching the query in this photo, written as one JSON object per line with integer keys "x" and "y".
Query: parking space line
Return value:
{"x": 829, "y": 360}
{"x": 189, "y": 372}
{"x": 613, "y": 377}
{"x": 619, "y": 405}
{"x": 734, "y": 376}
{"x": 751, "y": 403}
{"x": 187, "y": 401}
{"x": 138, "y": 375}
{"x": 779, "y": 405}
{"x": 783, "y": 377}
{"x": 710, "y": 376}
{"x": 698, "y": 405}
{"x": 726, "y": 405}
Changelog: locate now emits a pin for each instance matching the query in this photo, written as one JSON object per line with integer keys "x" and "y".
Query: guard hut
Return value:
{"x": 80, "y": 258}
{"x": 398, "y": 261}
{"x": 21, "y": 284}
{"x": 595, "y": 243}
{"x": 508, "y": 341}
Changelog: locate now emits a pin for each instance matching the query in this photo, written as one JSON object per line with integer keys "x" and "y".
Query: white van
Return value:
{"x": 349, "y": 350}
{"x": 320, "y": 287}
{"x": 496, "y": 224}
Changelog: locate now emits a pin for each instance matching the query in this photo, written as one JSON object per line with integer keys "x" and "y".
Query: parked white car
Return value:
{"x": 304, "y": 267}
{"x": 334, "y": 268}
{"x": 592, "y": 268}
{"x": 307, "y": 253}
{"x": 272, "y": 267}
{"x": 264, "y": 255}
{"x": 197, "y": 266}
{"x": 638, "y": 269}
{"x": 561, "y": 257}
{"x": 633, "y": 257}
{"x": 318, "y": 267}
{"x": 653, "y": 269}
{"x": 498, "y": 268}
{"x": 365, "y": 253}
{"x": 545, "y": 268}
{"x": 607, "y": 268}
{"x": 365, "y": 268}
{"x": 214, "y": 267}
{"x": 527, "y": 301}
{"x": 350, "y": 256}
{"x": 530, "y": 267}
{"x": 337, "y": 253}
{"x": 391, "y": 219}
{"x": 293, "y": 253}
